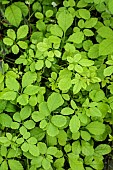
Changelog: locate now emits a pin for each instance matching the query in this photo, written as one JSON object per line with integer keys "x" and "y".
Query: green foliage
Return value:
{"x": 56, "y": 89}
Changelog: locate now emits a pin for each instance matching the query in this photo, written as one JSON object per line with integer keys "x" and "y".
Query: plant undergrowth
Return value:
{"x": 56, "y": 84}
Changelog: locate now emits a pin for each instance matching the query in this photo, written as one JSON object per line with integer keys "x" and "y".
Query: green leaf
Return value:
{"x": 85, "y": 135}
{"x": 85, "y": 14}
{"x": 65, "y": 84}
{"x": 54, "y": 101}
{"x": 5, "y": 120}
{"x": 77, "y": 37}
{"x": 40, "y": 25}
{"x": 56, "y": 30}
{"x": 74, "y": 162}
{"x": 22, "y": 44}
{"x": 96, "y": 128}
{"x": 106, "y": 47}
{"x": 76, "y": 148}
{"x": 59, "y": 120}
{"x": 33, "y": 100}
{"x": 43, "y": 108}
{"x": 23, "y": 7}
{"x": 39, "y": 64}
{"x": 22, "y": 32}
{"x": 29, "y": 124}
{"x": 93, "y": 52}
{"x": 23, "y": 99}
{"x": 86, "y": 62}
{"x": 25, "y": 147}
{"x": 4, "y": 165}
{"x": 12, "y": 83}
{"x": 74, "y": 124}
{"x": 62, "y": 137}
{"x": 13, "y": 15}
{"x": 31, "y": 90}
{"x": 11, "y": 34}
{"x": 8, "y": 41}
{"x": 15, "y": 49}
{"x": 87, "y": 148}
{"x": 14, "y": 163}
{"x": 49, "y": 13}
{"x": 91, "y": 22}
{"x": 46, "y": 164}
{"x": 65, "y": 20}
{"x": 67, "y": 111}
{"x": 110, "y": 4}
{"x": 88, "y": 32}
{"x": 42, "y": 147}
{"x": 52, "y": 130}
{"x": 28, "y": 78}
{"x": 25, "y": 112}
{"x": 102, "y": 149}
{"x": 15, "y": 125}
{"x": 108, "y": 71}
{"x": 34, "y": 150}
{"x": 9, "y": 95}
{"x": 95, "y": 112}
{"x": 105, "y": 32}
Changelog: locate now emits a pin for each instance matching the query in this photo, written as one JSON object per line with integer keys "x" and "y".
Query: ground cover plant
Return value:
{"x": 56, "y": 85}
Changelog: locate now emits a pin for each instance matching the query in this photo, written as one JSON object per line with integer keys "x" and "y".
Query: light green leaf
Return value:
{"x": 34, "y": 150}
{"x": 87, "y": 148}
{"x": 88, "y": 32}
{"x": 5, "y": 120}
{"x": 59, "y": 120}
{"x": 43, "y": 108}
{"x": 52, "y": 130}
{"x": 25, "y": 147}
{"x": 77, "y": 87}
{"x": 77, "y": 37}
{"x": 23, "y": 99}
{"x": 86, "y": 62}
{"x": 46, "y": 164}
{"x": 95, "y": 112}
{"x": 14, "y": 163}
{"x": 8, "y": 41}
{"x": 54, "y": 101}
{"x": 64, "y": 19}
{"x": 56, "y": 30}
{"x": 39, "y": 64}
{"x": 102, "y": 149}
{"x": 105, "y": 32}
{"x": 22, "y": 44}
{"x": 23, "y": 7}
{"x": 31, "y": 90}
{"x": 93, "y": 52}
{"x": 13, "y": 15}
{"x": 4, "y": 165}
{"x": 85, "y": 14}
{"x": 74, "y": 162}
{"x": 12, "y": 83}
{"x": 28, "y": 78}
{"x": 15, "y": 49}
{"x": 85, "y": 135}
{"x": 42, "y": 147}
{"x": 29, "y": 124}
{"x": 15, "y": 125}
{"x": 96, "y": 128}
{"x": 62, "y": 138}
{"x": 110, "y": 5}
{"x": 65, "y": 84}
{"x": 108, "y": 71}
{"x": 37, "y": 116}
{"x": 9, "y": 95}
{"x": 22, "y": 32}
{"x": 74, "y": 124}
{"x": 33, "y": 100}
{"x": 25, "y": 112}
{"x": 106, "y": 47}
{"x": 76, "y": 148}
{"x": 11, "y": 34}
{"x": 67, "y": 111}
{"x": 49, "y": 13}
{"x": 91, "y": 22}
